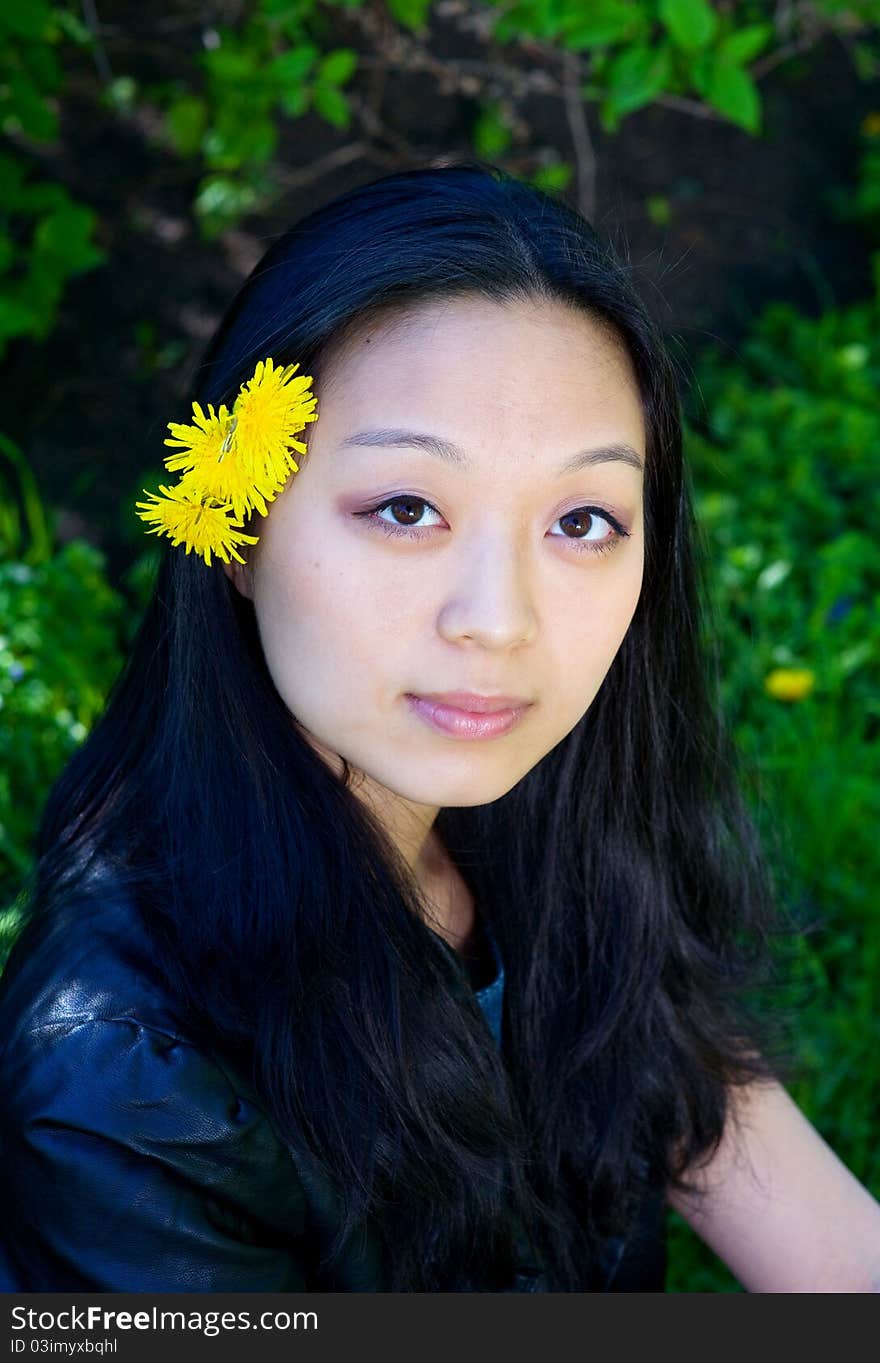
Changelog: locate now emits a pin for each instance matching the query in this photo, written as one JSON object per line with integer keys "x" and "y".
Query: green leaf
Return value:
{"x": 280, "y": 11}
{"x": 744, "y": 46}
{"x": 733, "y": 93}
{"x": 41, "y": 61}
{"x": 38, "y": 196}
{"x": 72, "y": 27}
{"x": 690, "y": 23}
{"x": 596, "y": 25}
{"x": 490, "y": 133}
{"x": 25, "y": 18}
{"x": 635, "y": 77}
{"x": 700, "y": 72}
{"x": 338, "y": 67}
{"x": 296, "y": 100}
{"x": 8, "y": 251}
{"x": 235, "y": 139}
{"x": 529, "y": 18}
{"x": 659, "y": 210}
{"x": 410, "y": 13}
{"x": 16, "y": 318}
{"x": 120, "y": 94}
{"x": 292, "y": 66}
{"x": 65, "y": 236}
{"x": 187, "y": 118}
{"x": 29, "y": 109}
{"x": 40, "y": 545}
{"x": 39, "y": 291}
{"x": 553, "y": 177}
{"x": 865, "y": 60}
{"x": 228, "y": 65}
{"x": 11, "y": 180}
{"x": 608, "y": 117}
{"x": 332, "y": 105}
{"x": 222, "y": 201}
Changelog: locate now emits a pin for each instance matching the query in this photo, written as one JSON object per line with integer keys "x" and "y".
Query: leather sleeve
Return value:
{"x": 129, "y": 1163}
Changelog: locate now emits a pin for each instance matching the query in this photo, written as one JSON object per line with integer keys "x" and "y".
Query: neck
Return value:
{"x": 448, "y": 895}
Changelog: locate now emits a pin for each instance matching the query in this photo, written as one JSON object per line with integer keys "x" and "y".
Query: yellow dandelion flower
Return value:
{"x": 271, "y": 408}
{"x": 233, "y": 463}
{"x": 186, "y": 519}
{"x": 201, "y": 443}
{"x": 242, "y": 482}
{"x": 789, "y": 683}
{"x": 214, "y": 469}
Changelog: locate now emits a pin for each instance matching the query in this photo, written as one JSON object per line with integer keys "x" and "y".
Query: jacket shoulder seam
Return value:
{"x": 74, "y": 1020}
{"x": 233, "y": 1083}
{"x": 238, "y": 1085}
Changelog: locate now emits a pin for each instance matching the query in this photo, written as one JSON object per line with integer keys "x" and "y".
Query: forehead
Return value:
{"x": 476, "y": 359}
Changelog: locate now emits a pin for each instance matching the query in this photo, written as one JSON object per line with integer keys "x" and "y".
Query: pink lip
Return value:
{"x": 475, "y": 703}
{"x": 460, "y": 723}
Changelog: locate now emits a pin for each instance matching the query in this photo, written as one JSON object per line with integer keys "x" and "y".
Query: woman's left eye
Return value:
{"x": 590, "y": 544}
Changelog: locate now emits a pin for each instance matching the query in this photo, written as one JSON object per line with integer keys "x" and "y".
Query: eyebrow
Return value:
{"x": 396, "y": 438}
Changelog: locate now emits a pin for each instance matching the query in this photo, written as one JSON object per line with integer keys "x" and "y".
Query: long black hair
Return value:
{"x": 630, "y": 905}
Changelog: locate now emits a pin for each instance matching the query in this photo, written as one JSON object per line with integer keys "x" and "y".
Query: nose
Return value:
{"x": 491, "y": 600}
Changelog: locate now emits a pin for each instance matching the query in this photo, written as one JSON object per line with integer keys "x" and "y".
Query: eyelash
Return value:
{"x": 413, "y": 532}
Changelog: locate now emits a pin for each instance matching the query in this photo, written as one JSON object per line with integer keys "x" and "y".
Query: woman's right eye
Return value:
{"x": 390, "y": 527}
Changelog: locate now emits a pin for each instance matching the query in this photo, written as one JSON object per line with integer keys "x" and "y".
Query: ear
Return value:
{"x": 241, "y": 577}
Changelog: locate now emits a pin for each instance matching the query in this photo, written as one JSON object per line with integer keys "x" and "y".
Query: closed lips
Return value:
{"x": 481, "y": 705}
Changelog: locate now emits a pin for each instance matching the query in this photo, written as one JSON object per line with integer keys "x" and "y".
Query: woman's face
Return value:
{"x": 491, "y": 585}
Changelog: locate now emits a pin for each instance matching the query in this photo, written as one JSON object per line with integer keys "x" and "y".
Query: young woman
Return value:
{"x": 334, "y": 981}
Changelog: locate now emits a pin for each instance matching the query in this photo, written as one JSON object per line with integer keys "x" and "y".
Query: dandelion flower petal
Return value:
{"x": 181, "y": 515}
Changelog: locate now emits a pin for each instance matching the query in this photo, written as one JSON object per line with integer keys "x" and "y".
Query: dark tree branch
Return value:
{"x": 93, "y": 24}
{"x": 584, "y": 155}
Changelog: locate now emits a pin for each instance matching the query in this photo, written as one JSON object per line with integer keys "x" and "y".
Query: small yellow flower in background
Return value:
{"x": 789, "y": 683}
{"x": 232, "y": 462}
{"x": 871, "y": 124}
{"x": 186, "y": 519}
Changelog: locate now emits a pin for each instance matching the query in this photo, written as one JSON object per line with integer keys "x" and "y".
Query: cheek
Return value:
{"x": 626, "y": 598}
{"x": 318, "y": 614}
{"x": 621, "y": 605}
{"x": 591, "y": 631}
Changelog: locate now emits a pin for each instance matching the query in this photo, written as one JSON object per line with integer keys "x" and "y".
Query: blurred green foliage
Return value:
{"x": 782, "y": 443}
{"x": 861, "y": 204}
{"x": 277, "y": 61}
{"x": 642, "y": 48}
{"x": 267, "y": 68}
{"x": 61, "y": 640}
{"x": 45, "y": 236}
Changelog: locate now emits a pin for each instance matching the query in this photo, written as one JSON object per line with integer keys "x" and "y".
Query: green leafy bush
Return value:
{"x": 59, "y": 652}
{"x": 783, "y": 447}
{"x": 276, "y": 61}
{"x": 250, "y": 77}
{"x": 45, "y": 236}
{"x": 61, "y": 636}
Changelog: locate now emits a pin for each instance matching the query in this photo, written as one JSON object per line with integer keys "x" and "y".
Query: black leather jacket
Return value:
{"x": 132, "y": 1161}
